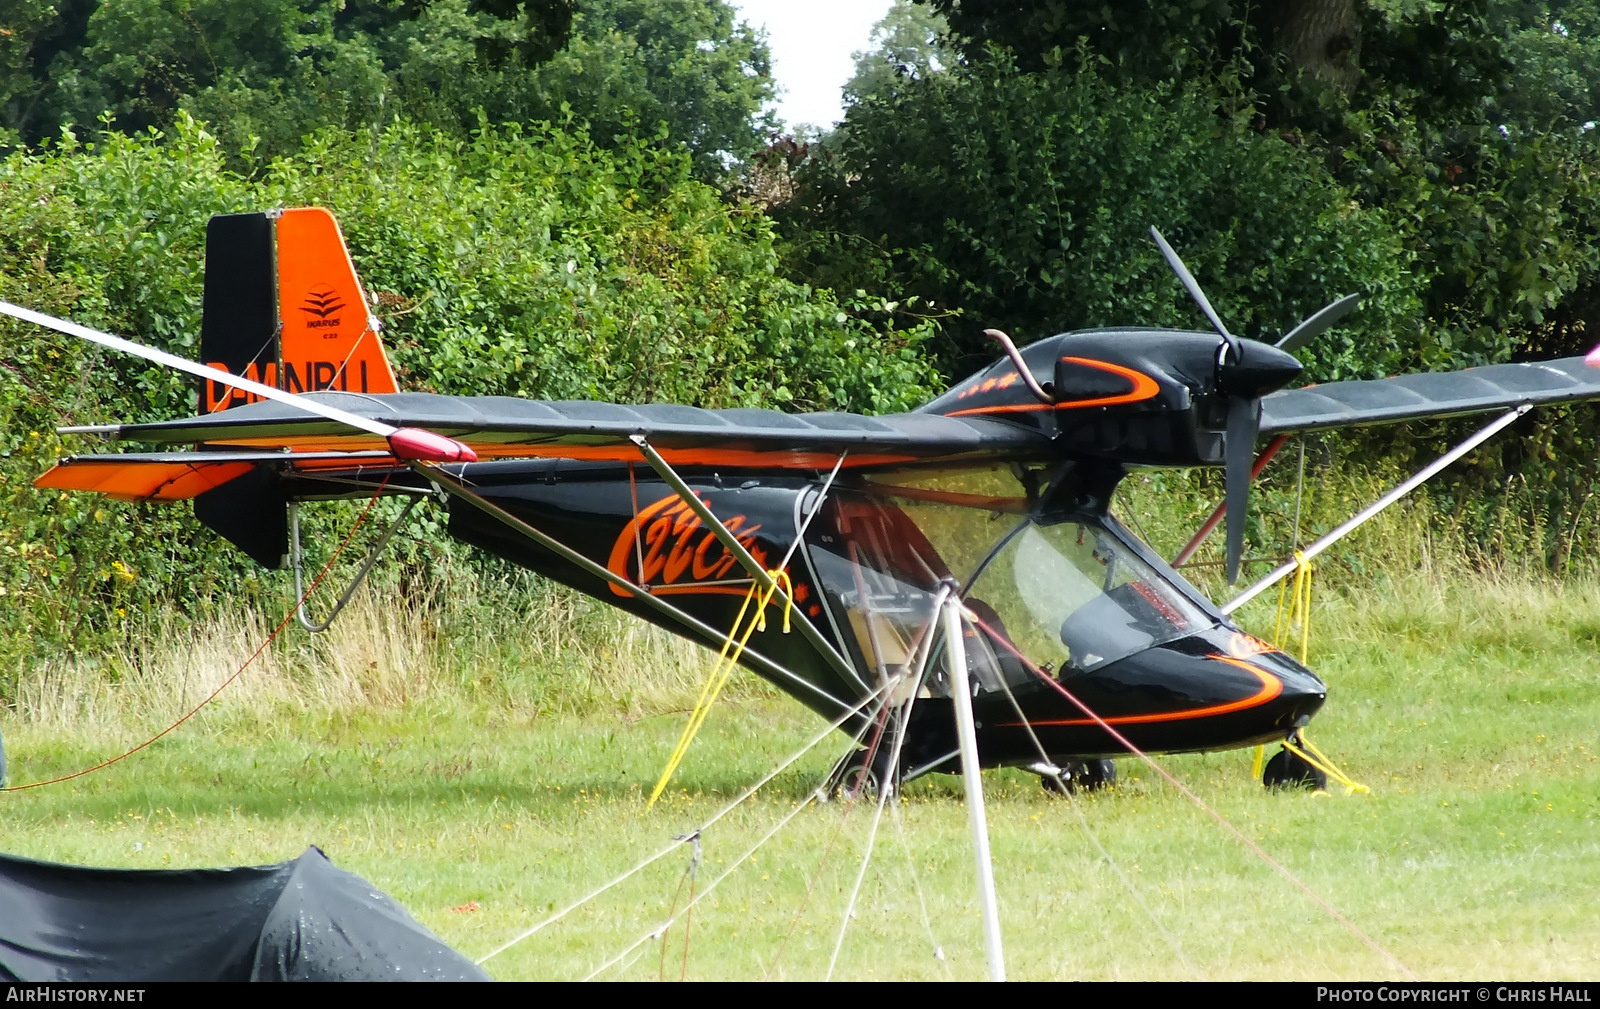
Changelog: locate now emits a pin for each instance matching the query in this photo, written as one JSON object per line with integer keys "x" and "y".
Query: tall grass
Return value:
{"x": 1465, "y": 700}
{"x": 1437, "y": 530}
{"x": 536, "y": 647}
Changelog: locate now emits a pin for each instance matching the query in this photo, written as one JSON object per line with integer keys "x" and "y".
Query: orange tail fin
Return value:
{"x": 283, "y": 306}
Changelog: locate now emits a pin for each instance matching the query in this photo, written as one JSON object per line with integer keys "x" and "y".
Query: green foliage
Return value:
{"x": 1145, "y": 38}
{"x": 521, "y": 263}
{"x": 1469, "y": 125}
{"x": 1467, "y": 705}
{"x": 687, "y": 66}
{"x": 1026, "y": 199}
{"x": 264, "y": 73}
{"x": 909, "y": 42}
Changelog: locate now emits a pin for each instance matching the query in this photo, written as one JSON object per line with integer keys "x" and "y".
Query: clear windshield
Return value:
{"x": 1068, "y": 596}
{"x": 1073, "y": 595}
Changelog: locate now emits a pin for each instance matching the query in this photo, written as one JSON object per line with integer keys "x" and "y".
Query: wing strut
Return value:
{"x": 972, "y": 779}
{"x": 1483, "y": 435}
{"x": 808, "y": 630}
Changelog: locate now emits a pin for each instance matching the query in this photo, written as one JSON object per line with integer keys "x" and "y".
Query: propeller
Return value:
{"x": 1243, "y": 383}
{"x": 1318, "y": 324}
{"x": 407, "y": 443}
{"x": 1199, "y": 296}
{"x": 1244, "y": 419}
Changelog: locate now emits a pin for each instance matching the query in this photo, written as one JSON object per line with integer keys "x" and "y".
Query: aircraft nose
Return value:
{"x": 1303, "y": 692}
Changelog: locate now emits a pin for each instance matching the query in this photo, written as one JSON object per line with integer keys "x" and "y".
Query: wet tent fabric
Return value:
{"x": 303, "y": 920}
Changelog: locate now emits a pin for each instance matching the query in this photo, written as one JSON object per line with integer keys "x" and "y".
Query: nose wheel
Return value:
{"x": 1077, "y": 776}
{"x": 1290, "y": 770}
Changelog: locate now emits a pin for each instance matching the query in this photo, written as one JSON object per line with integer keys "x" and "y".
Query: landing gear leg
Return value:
{"x": 1080, "y": 775}
{"x": 1287, "y": 770}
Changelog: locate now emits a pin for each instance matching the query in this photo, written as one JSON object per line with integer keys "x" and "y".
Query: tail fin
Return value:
{"x": 282, "y": 305}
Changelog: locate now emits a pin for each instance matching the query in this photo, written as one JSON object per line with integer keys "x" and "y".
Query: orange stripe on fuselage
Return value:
{"x": 1271, "y": 687}
{"x": 1144, "y": 387}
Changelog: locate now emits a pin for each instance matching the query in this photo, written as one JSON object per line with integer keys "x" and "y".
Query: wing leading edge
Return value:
{"x": 508, "y": 428}
{"x": 1429, "y": 394}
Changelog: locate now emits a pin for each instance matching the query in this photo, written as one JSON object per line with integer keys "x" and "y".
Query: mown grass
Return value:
{"x": 1468, "y": 704}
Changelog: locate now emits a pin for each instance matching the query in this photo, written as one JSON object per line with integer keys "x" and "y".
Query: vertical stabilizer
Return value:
{"x": 283, "y": 306}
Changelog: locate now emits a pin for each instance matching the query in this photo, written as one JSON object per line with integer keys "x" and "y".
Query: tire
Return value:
{"x": 1286, "y": 770}
{"x": 852, "y": 778}
{"x": 1081, "y": 775}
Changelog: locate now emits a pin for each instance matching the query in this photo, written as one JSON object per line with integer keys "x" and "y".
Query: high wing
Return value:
{"x": 1429, "y": 394}
{"x": 507, "y": 428}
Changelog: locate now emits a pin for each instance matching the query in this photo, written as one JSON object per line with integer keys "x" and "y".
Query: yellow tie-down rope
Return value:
{"x": 731, "y": 651}
{"x": 1314, "y": 756}
{"x": 1294, "y": 602}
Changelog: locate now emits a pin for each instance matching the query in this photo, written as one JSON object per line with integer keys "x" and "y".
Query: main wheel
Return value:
{"x": 1287, "y": 770}
{"x": 853, "y": 778}
{"x": 1081, "y": 775}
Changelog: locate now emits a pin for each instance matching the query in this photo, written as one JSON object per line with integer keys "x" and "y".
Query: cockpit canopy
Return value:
{"x": 1062, "y": 593}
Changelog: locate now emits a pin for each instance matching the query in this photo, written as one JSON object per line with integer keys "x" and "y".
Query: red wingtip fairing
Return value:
{"x": 1593, "y": 360}
{"x": 425, "y": 446}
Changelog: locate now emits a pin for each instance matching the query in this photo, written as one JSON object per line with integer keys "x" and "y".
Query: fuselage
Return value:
{"x": 1077, "y": 634}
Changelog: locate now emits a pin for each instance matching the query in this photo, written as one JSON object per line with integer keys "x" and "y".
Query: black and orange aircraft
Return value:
{"x": 1081, "y": 642}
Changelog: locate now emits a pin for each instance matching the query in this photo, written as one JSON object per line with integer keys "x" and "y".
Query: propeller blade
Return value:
{"x": 408, "y": 443}
{"x": 1199, "y": 296}
{"x": 1318, "y": 324}
{"x": 1244, "y": 420}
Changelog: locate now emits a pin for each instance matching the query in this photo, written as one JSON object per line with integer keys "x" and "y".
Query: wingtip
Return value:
{"x": 1593, "y": 360}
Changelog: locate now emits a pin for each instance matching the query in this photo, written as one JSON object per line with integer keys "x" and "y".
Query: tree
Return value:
{"x": 685, "y": 67}
{"x": 1025, "y": 200}
{"x": 907, "y": 45}
{"x": 1466, "y": 123}
{"x": 271, "y": 68}
{"x": 267, "y": 72}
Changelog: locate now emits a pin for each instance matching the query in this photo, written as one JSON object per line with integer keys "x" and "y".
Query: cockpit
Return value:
{"x": 1062, "y": 594}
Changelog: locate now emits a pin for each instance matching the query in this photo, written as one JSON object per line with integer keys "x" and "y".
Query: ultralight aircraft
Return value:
{"x": 1081, "y": 644}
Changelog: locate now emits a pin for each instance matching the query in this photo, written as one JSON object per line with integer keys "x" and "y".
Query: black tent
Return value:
{"x": 296, "y": 921}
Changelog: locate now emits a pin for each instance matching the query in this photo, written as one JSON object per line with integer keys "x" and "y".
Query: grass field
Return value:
{"x": 1470, "y": 707}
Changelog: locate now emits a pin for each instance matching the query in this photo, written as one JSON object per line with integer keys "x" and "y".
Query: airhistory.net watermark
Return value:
{"x": 70, "y": 993}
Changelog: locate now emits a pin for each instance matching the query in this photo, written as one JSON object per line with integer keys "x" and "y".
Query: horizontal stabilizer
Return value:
{"x": 142, "y": 480}
{"x": 175, "y": 476}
